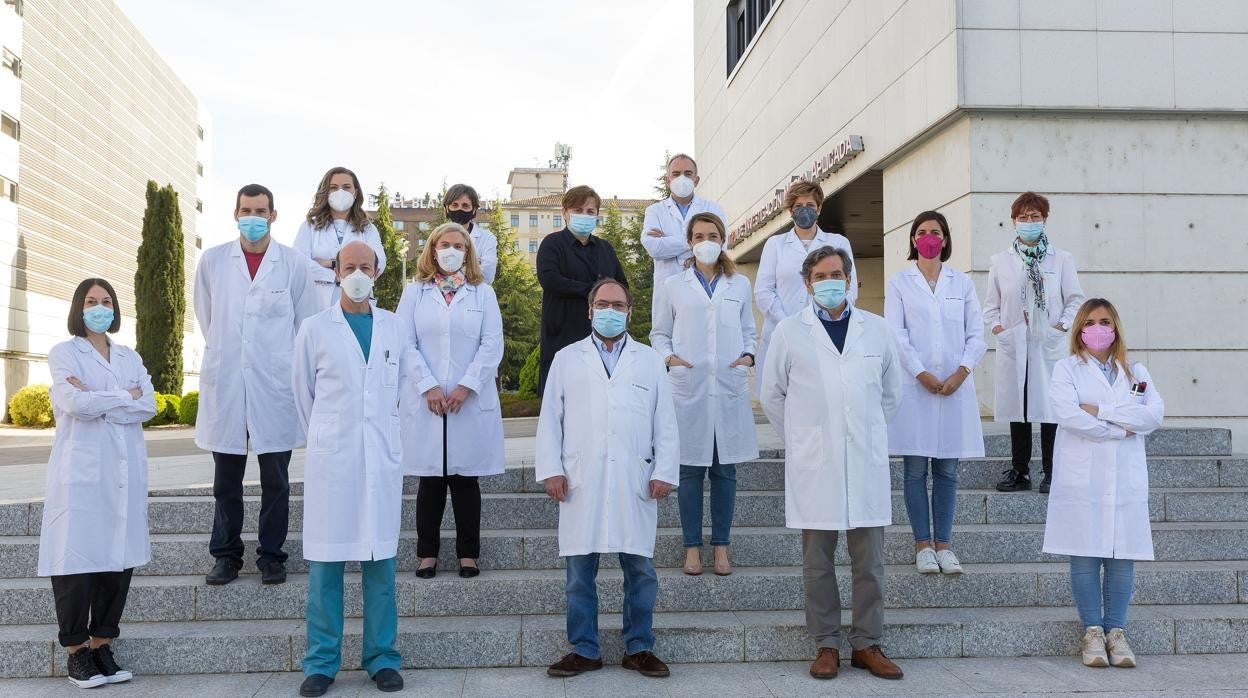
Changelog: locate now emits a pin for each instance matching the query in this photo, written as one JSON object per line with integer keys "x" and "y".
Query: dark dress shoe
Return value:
{"x": 1014, "y": 481}
{"x": 272, "y": 572}
{"x": 573, "y": 664}
{"x": 646, "y": 664}
{"x": 469, "y": 571}
{"x": 388, "y": 681}
{"x": 1044, "y": 484}
{"x": 827, "y": 663}
{"x": 315, "y": 685}
{"x": 427, "y": 572}
{"x": 223, "y": 572}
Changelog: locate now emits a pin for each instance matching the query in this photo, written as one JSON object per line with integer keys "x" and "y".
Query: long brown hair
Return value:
{"x": 427, "y": 264}
{"x": 1117, "y": 350}
{"x": 727, "y": 267}
{"x": 321, "y": 214}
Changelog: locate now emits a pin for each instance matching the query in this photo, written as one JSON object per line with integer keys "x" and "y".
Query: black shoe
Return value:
{"x": 1014, "y": 481}
{"x": 427, "y": 572}
{"x": 1044, "y": 484}
{"x": 388, "y": 681}
{"x": 104, "y": 661}
{"x": 315, "y": 685}
{"x": 83, "y": 672}
{"x": 272, "y": 572}
{"x": 469, "y": 571}
{"x": 224, "y": 572}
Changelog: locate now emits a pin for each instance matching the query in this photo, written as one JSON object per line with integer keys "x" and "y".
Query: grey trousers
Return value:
{"x": 823, "y": 597}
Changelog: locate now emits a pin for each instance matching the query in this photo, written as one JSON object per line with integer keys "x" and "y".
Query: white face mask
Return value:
{"x": 357, "y": 285}
{"x": 707, "y": 251}
{"x": 450, "y": 259}
{"x": 682, "y": 186}
{"x": 341, "y": 200}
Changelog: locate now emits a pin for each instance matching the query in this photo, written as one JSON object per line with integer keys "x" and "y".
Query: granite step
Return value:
{"x": 521, "y": 592}
{"x": 187, "y": 553}
{"x": 714, "y": 636}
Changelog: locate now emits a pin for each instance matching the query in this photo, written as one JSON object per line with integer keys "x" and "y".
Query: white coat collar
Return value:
{"x": 455, "y": 300}
{"x": 696, "y": 204}
{"x": 272, "y": 257}
{"x": 815, "y": 327}
{"x": 84, "y": 346}
{"x": 589, "y": 353}
{"x": 820, "y": 236}
{"x": 691, "y": 278}
{"x": 379, "y": 321}
{"x": 945, "y": 274}
{"x": 1120, "y": 375}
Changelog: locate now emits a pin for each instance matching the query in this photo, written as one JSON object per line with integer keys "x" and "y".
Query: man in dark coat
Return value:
{"x": 568, "y": 264}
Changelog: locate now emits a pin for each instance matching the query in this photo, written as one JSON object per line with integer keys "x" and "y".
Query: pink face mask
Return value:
{"x": 929, "y": 246}
{"x": 1097, "y": 337}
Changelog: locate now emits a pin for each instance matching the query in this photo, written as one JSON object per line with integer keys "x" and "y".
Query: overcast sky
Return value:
{"x": 410, "y": 92}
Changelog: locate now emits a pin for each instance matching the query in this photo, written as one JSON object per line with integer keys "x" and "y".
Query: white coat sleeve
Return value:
{"x": 774, "y": 386}
{"x": 490, "y": 351}
{"x": 992, "y": 302}
{"x": 303, "y": 293}
{"x": 974, "y": 347}
{"x": 303, "y": 241}
{"x": 487, "y": 255}
{"x": 749, "y": 337}
{"x": 895, "y": 314}
{"x": 303, "y": 380}
{"x": 202, "y": 301}
{"x": 666, "y": 247}
{"x": 548, "y": 452}
{"x": 765, "y": 294}
{"x": 416, "y": 373}
{"x": 81, "y": 404}
{"x": 665, "y": 432}
{"x": 1072, "y": 293}
{"x": 140, "y": 409}
{"x": 373, "y": 238}
{"x": 1064, "y": 399}
{"x": 1134, "y": 416}
{"x": 890, "y": 379}
{"x": 664, "y": 322}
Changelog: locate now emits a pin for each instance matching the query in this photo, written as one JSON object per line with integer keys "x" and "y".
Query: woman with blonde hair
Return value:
{"x": 453, "y": 428}
{"x": 704, "y": 330}
{"x": 336, "y": 218}
{"x": 1098, "y": 508}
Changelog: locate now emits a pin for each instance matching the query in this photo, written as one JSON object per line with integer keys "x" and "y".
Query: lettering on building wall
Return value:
{"x": 821, "y": 169}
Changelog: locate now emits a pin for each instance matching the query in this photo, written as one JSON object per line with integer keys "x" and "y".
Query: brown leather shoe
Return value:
{"x": 873, "y": 660}
{"x": 827, "y": 663}
{"x": 646, "y": 664}
{"x": 573, "y": 664}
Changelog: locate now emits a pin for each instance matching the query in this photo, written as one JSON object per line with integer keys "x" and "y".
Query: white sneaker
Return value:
{"x": 1093, "y": 647}
{"x": 925, "y": 561}
{"x": 1120, "y": 654}
{"x": 948, "y": 562}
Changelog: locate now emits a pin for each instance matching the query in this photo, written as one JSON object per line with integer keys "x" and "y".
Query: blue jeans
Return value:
{"x": 944, "y": 496}
{"x": 723, "y": 500}
{"x": 1089, "y": 591}
{"x": 641, "y": 587}
{"x": 381, "y": 618}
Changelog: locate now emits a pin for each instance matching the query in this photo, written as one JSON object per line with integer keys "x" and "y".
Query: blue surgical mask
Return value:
{"x": 829, "y": 293}
{"x": 98, "y": 318}
{"x": 1028, "y": 231}
{"x": 804, "y": 217}
{"x": 253, "y": 227}
{"x": 582, "y": 224}
{"x": 609, "y": 322}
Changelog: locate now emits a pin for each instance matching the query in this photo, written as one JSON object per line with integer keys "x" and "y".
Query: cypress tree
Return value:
{"x": 389, "y": 286}
{"x": 519, "y": 299}
{"x": 160, "y": 289}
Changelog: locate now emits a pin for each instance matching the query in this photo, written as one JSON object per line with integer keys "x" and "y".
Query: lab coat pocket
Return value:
{"x": 805, "y": 448}
{"x": 1056, "y": 345}
{"x": 730, "y": 312}
{"x": 645, "y": 467}
{"x": 82, "y": 467}
{"x": 323, "y": 433}
{"x": 390, "y": 373}
{"x": 679, "y": 378}
{"x": 472, "y": 323}
{"x": 741, "y": 381}
{"x": 952, "y": 308}
{"x": 1010, "y": 340}
{"x": 277, "y": 304}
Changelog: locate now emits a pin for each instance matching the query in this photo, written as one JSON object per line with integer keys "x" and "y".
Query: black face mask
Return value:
{"x": 461, "y": 216}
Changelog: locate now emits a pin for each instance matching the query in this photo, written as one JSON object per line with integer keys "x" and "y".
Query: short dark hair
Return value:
{"x": 78, "y": 326}
{"x": 580, "y": 194}
{"x": 253, "y": 190}
{"x": 458, "y": 190}
{"x": 607, "y": 281}
{"x": 817, "y": 256}
{"x": 944, "y": 228}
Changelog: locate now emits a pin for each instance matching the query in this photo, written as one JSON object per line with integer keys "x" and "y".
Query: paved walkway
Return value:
{"x": 1187, "y": 675}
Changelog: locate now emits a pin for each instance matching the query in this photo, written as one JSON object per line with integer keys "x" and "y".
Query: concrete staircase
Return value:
{"x": 1013, "y": 600}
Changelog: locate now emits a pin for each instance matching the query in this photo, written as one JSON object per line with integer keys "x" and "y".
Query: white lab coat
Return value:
{"x": 671, "y": 251}
{"x": 832, "y": 410}
{"x": 610, "y": 437}
{"x": 1098, "y": 506}
{"x": 937, "y": 331}
{"x": 349, "y": 409}
{"x": 1026, "y": 351}
{"x": 249, "y": 332}
{"x": 712, "y": 400}
{"x": 459, "y": 344}
{"x": 95, "y": 510}
{"x": 779, "y": 289}
{"x": 323, "y": 243}
{"x": 486, "y": 246}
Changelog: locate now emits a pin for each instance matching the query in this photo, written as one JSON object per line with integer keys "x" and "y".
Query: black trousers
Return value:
{"x": 227, "y": 488}
{"x": 1020, "y": 442}
{"x": 430, "y": 505}
{"x": 89, "y": 605}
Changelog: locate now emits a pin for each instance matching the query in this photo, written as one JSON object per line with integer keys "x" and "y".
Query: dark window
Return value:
{"x": 10, "y": 127}
{"x": 199, "y": 205}
{"x": 515, "y": 220}
{"x": 199, "y": 168}
{"x": 12, "y": 63}
{"x": 745, "y": 18}
{"x": 532, "y": 220}
{"x": 16, "y": 5}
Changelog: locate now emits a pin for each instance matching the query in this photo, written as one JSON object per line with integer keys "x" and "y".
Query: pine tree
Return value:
{"x": 637, "y": 264}
{"x": 160, "y": 289}
{"x": 519, "y": 299}
{"x": 660, "y": 184}
{"x": 389, "y": 286}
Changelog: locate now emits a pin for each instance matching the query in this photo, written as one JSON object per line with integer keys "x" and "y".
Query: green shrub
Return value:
{"x": 173, "y": 407}
{"x": 189, "y": 408}
{"x": 158, "y": 419}
{"x": 32, "y": 407}
{"x": 529, "y": 374}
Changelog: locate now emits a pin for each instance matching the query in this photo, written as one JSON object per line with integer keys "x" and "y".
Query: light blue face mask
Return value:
{"x": 253, "y": 227}
{"x": 1029, "y": 231}
{"x": 582, "y": 224}
{"x": 829, "y": 293}
{"x": 98, "y": 318}
{"x": 609, "y": 322}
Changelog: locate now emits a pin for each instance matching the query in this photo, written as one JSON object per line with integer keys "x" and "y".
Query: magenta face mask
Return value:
{"x": 929, "y": 246}
{"x": 1097, "y": 337}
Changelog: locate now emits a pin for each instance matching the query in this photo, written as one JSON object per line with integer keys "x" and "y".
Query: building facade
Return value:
{"x": 534, "y": 218}
{"x": 1131, "y": 115}
{"x": 95, "y": 114}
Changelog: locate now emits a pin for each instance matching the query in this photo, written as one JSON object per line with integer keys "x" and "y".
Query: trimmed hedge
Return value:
{"x": 32, "y": 407}
{"x": 189, "y": 409}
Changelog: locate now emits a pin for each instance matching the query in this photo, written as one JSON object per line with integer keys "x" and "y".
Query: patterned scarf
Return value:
{"x": 1032, "y": 257}
{"x": 448, "y": 284}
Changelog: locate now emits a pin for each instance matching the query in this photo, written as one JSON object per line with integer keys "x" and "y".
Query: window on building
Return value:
{"x": 400, "y": 226}
{"x": 199, "y": 205}
{"x": 200, "y": 129}
{"x": 423, "y": 226}
{"x": 558, "y": 222}
{"x": 12, "y": 63}
{"x": 515, "y": 220}
{"x": 8, "y": 189}
{"x": 199, "y": 169}
{"x": 532, "y": 220}
{"x": 532, "y": 246}
{"x": 199, "y": 243}
{"x": 745, "y": 19}
{"x": 10, "y": 127}
{"x": 16, "y": 5}
{"x": 518, "y": 246}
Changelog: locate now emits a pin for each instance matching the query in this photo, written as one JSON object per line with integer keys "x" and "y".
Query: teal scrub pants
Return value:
{"x": 324, "y": 613}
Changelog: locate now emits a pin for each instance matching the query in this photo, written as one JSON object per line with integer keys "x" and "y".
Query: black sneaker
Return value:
{"x": 1044, "y": 484}
{"x": 272, "y": 572}
{"x": 1014, "y": 481}
{"x": 108, "y": 666}
{"x": 315, "y": 685}
{"x": 223, "y": 572}
{"x": 83, "y": 672}
{"x": 388, "y": 681}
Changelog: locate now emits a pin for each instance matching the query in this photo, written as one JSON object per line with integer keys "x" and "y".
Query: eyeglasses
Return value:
{"x": 1030, "y": 218}
{"x": 603, "y": 305}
